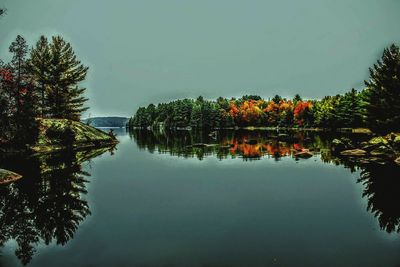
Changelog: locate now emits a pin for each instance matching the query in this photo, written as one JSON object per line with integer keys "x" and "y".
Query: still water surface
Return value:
{"x": 157, "y": 200}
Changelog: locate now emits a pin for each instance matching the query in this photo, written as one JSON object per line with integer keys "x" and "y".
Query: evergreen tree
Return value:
{"x": 297, "y": 98}
{"x": 22, "y": 126}
{"x": 19, "y": 50}
{"x": 65, "y": 98}
{"x": 350, "y": 111}
{"x": 4, "y": 109}
{"x": 277, "y": 99}
{"x": 39, "y": 62}
{"x": 382, "y": 95}
{"x": 182, "y": 113}
{"x": 196, "y": 119}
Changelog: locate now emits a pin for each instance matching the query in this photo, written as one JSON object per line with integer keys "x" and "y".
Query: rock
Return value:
{"x": 391, "y": 137}
{"x": 378, "y": 141}
{"x": 374, "y": 160}
{"x": 303, "y": 155}
{"x": 396, "y": 142}
{"x": 354, "y": 152}
{"x": 63, "y": 134}
{"x": 382, "y": 151}
{"x": 283, "y": 135}
{"x": 8, "y": 176}
{"x": 339, "y": 145}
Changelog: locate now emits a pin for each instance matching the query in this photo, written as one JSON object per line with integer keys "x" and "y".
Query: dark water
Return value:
{"x": 160, "y": 201}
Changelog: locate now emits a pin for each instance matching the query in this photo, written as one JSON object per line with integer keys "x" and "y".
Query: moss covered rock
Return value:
{"x": 354, "y": 153}
{"x": 60, "y": 134}
{"x": 396, "y": 142}
{"x": 378, "y": 141}
{"x": 338, "y": 145}
{"x": 8, "y": 176}
{"x": 303, "y": 155}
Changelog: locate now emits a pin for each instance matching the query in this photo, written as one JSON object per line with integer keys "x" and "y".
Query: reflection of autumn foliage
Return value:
{"x": 234, "y": 144}
{"x": 257, "y": 149}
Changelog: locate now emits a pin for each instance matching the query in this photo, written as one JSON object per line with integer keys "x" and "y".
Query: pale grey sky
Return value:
{"x": 158, "y": 50}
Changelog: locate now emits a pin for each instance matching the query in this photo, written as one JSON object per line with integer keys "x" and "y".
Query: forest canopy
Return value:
{"x": 39, "y": 81}
{"x": 376, "y": 107}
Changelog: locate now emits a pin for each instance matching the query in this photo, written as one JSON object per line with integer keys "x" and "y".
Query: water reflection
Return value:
{"x": 382, "y": 189}
{"x": 380, "y": 179}
{"x": 48, "y": 204}
{"x": 248, "y": 145}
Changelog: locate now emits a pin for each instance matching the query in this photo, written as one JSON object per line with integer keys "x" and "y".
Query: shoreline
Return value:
{"x": 263, "y": 128}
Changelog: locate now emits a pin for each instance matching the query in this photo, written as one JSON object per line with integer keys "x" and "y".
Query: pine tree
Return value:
{"x": 4, "y": 110}
{"x": 18, "y": 65}
{"x": 196, "y": 119}
{"x": 65, "y": 98}
{"x": 23, "y": 101}
{"x": 349, "y": 110}
{"x": 297, "y": 98}
{"x": 277, "y": 99}
{"x": 38, "y": 64}
{"x": 382, "y": 95}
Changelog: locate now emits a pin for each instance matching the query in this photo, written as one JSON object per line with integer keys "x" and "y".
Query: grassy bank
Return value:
{"x": 60, "y": 134}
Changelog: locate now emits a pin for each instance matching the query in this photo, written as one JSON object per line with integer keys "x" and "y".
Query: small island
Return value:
{"x": 41, "y": 101}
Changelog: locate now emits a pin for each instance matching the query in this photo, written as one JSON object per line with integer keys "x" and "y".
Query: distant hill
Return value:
{"x": 106, "y": 121}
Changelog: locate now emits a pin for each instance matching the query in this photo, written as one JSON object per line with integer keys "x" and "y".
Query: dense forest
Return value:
{"x": 39, "y": 82}
{"x": 376, "y": 107}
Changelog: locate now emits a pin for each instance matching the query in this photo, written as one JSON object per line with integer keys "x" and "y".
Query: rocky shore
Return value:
{"x": 379, "y": 149}
{"x": 8, "y": 176}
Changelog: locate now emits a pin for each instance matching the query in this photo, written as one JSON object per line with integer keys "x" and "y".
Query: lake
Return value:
{"x": 166, "y": 199}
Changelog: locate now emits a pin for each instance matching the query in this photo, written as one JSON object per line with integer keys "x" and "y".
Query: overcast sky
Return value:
{"x": 158, "y": 50}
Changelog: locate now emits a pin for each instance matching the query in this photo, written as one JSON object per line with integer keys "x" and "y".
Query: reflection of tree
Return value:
{"x": 382, "y": 189}
{"x": 245, "y": 144}
{"x": 47, "y": 204}
{"x": 382, "y": 185}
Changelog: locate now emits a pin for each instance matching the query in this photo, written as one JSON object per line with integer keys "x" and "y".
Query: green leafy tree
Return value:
{"x": 325, "y": 112}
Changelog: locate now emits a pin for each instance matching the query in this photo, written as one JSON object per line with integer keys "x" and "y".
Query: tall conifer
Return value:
{"x": 382, "y": 95}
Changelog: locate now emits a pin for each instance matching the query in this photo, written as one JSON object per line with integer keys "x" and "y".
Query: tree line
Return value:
{"x": 39, "y": 81}
{"x": 376, "y": 107}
